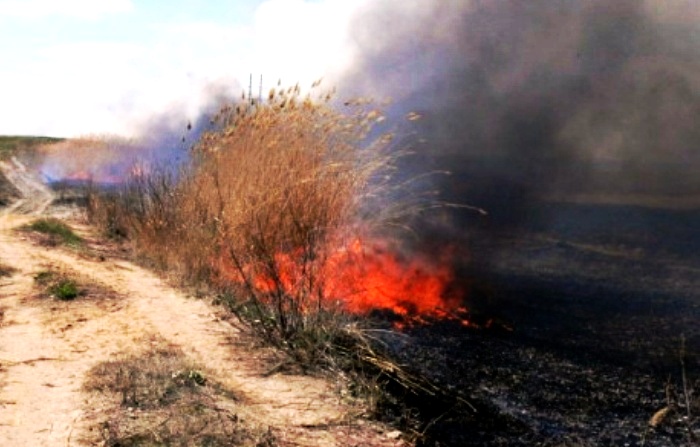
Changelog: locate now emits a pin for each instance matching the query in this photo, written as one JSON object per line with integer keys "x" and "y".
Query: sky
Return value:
{"x": 84, "y": 67}
{"x": 544, "y": 87}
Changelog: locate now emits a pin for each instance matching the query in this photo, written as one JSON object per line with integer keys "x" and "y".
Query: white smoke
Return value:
{"x": 117, "y": 85}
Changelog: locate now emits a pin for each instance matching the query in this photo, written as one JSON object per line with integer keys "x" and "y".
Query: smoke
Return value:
{"x": 161, "y": 142}
{"x": 521, "y": 100}
{"x": 544, "y": 98}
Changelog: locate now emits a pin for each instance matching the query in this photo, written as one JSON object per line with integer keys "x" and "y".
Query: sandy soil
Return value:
{"x": 47, "y": 346}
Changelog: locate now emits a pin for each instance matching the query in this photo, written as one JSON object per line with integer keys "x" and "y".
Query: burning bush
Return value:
{"x": 282, "y": 207}
{"x": 284, "y": 184}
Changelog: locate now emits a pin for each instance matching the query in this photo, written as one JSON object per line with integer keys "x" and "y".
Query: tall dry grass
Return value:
{"x": 285, "y": 184}
{"x": 268, "y": 196}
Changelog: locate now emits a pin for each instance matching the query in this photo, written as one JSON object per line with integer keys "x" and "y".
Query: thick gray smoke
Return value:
{"x": 529, "y": 99}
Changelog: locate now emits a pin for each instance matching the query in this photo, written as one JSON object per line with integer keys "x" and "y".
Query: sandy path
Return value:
{"x": 47, "y": 347}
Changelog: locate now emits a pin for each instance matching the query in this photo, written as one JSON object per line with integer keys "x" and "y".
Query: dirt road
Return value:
{"x": 35, "y": 197}
{"x": 47, "y": 346}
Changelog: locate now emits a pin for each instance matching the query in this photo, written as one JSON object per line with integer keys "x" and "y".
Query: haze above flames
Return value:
{"x": 542, "y": 90}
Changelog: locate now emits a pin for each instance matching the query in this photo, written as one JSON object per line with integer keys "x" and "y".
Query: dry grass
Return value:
{"x": 680, "y": 412}
{"x": 160, "y": 398}
{"x": 287, "y": 182}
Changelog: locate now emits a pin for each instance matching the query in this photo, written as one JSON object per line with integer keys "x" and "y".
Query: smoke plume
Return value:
{"x": 529, "y": 100}
{"x": 162, "y": 142}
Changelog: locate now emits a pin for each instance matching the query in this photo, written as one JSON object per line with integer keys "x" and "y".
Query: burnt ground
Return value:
{"x": 599, "y": 299}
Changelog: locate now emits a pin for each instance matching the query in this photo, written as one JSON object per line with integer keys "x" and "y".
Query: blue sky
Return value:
{"x": 78, "y": 67}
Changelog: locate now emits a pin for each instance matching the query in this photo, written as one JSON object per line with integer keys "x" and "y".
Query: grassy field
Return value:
{"x": 13, "y": 145}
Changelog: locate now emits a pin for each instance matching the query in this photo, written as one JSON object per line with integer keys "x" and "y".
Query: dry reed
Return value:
{"x": 287, "y": 182}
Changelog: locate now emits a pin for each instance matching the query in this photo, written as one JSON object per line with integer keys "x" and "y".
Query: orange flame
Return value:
{"x": 364, "y": 278}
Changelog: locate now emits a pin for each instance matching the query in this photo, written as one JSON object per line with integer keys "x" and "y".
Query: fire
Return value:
{"x": 371, "y": 277}
{"x": 102, "y": 160}
{"x": 368, "y": 277}
{"x": 84, "y": 177}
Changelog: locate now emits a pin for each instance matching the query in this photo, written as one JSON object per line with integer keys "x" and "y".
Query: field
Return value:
{"x": 100, "y": 351}
{"x": 596, "y": 310}
{"x": 580, "y": 328}
{"x": 18, "y": 145}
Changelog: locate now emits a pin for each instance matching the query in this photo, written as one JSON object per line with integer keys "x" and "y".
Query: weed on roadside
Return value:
{"x": 54, "y": 232}
{"x": 58, "y": 285}
{"x": 161, "y": 398}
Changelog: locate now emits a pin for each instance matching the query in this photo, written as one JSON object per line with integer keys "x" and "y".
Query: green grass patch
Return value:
{"x": 161, "y": 398}
{"x": 59, "y": 285}
{"x": 56, "y": 231}
{"x": 65, "y": 290}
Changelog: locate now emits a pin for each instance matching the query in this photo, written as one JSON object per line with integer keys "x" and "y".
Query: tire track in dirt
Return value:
{"x": 46, "y": 349}
{"x": 36, "y": 400}
{"x": 35, "y": 196}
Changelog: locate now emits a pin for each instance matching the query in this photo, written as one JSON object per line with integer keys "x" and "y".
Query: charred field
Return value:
{"x": 594, "y": 309}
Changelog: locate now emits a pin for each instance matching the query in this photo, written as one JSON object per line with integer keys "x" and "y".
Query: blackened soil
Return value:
{"x": 604, "y": 306}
